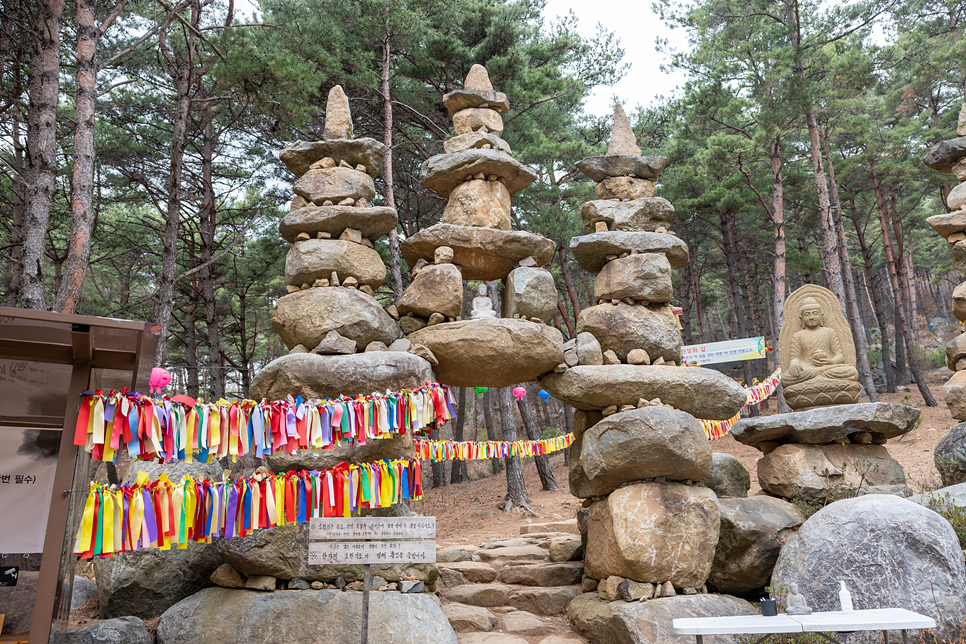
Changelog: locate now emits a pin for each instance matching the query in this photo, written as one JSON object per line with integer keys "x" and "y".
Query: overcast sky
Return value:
{"x": 633, "y": 22}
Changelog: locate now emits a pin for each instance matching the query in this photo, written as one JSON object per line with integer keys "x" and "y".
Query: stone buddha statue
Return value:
{"x": 816, "y": 357}
{"x": 482, "y": 305}
{"x": 795, "y": 602}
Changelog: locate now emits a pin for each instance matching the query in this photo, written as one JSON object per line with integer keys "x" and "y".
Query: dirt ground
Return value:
{"x": 467, "y": 514}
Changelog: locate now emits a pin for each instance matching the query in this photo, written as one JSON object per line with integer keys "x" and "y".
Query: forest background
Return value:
{"x": 139, "y": 175}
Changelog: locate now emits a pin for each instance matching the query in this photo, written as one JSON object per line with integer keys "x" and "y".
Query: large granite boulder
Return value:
{"x": 435, "y": 289}
{"x": 443, "y": 172}
{"x": 478, "y": 203}
{"x": 121, "y": 630}
{"x": 335, "y": 185}
{"x": 650, "y": 622}
{"x": 948, "y": 223}
{"x": 753, "y": 531}
{"x": 728, "y": 477}
{"x": 889, "y": 551}
{"x": 813, "y": 472}
{"x": 481, "y": 253}
{"x": 283, "y": 552}
{"x": 491, "y": 353}
{"x": 636, "y": 445}
{"x": 645, "y": 276}
{"x": 530, "y": 292}
{"x": 314, "y": 259}
{"x": 944, "y": 155}
{"x": 305, "y": 317}
{"x": 703, "y": 393}
{"x": 223, "y": 616}
{"x": 314, "y": 376}
{"x": 175, "y": 471}
{"x": 591, "y": 251}
{"x": 645, "y": 214}
{"x": 302, "y": 154}
{"x": 950, "y": 456}
{"x": 653, "y": 532}
{"x": 621, "y": 328}
{"x": 17, "y": 602}
{"x": 828, "y": 424}
{"x": 148, "y": 582}
{"x": 372, "y": 222}
{"x": 374, "y": 450}
{"x": 622, "y": 165}
{"x": 954, "y": 391}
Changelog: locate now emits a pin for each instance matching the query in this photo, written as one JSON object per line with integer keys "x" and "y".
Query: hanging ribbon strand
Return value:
{"x": 756, "y": 394}
{"x": 163, "y": 514}
{"x": 167, "y": 429}
{"x": 434, "y": 450}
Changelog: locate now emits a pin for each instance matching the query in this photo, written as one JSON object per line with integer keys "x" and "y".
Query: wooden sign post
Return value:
{"x": 371, "y": 540}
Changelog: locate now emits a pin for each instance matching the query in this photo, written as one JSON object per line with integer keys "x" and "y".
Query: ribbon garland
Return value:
{"x": 169, "y": 429}
{"x": 434, "y": 450}
{"x": 756, "y": 394}
{"x": 162, "y": 514}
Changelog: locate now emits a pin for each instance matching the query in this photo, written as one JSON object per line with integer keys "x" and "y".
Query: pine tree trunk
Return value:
{"x": 830, "y": 247}
{"x": 568, "y": 281}
{"x": 216, "y": 370}
{"x": 191, "y": 349}
{"x": 533, "y": 433}
{"x": 395, "y": 254}
{"x": 495, "y": 463}
{"x": 16, "y": 213}
{"x": 516, "y": 489}
{"x": 458, "y": 471}
{"x": 41, "y": 170}
{"x": 439, "y": 467}
{"x": 568, "y": 428}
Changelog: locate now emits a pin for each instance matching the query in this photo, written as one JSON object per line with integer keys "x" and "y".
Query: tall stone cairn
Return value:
{"x": 639, "y": 450}
{"x": 477, "y": 175}
{"x": 950, "y": 156}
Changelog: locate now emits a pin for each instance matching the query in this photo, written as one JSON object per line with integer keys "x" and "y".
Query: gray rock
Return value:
{"x": 469, "y": 618}
{"x": 148, "y": 582}
{"x": 752, "y": 533}
{"x": 591, "y": 251}
{"x": 548, "y": 574}
{"x": 401, "y": 344}
{"x": 828, "y": 424}
{"x": 481, "y": 253}
{"x": 948, "y": 223}
{"x": 17, "y": 602}
{"x": 650, "y": 622}
{"x": 530, "y": 293}
{"x": 890, "y": 552}
{"x": 313, "y": 376}
{"x": 83, "y": 590}
{"x": 543, "y": 601}
{"x": 299, "y": 584}
{"x": 335, "y": 184}
{"x": 728, "y": 477}
{"x": 314, "y": 259}
{"x": 645, "y": 276}
{"x": 372, "y": 222}
{"x": 437, "y": 288}
{"x": 338, "y": 117}
{"x": 261, "y": 582}
{"x": 475, "y": 140}
{"x": 956, "y": 348}
{"x": 703, "y": 393}
{"x": 462, "y": 99}
{"x": 175, "y": 471}
{"x": 305, "y": 317}
{"x": 301, "y": 154}
{"x": 622, "y": 327}
{"x": 465, "y": 350}
{"x": 411, "y": 586}
{"x": 220, "y": 615}
{"x": 956, "y": 199}
{"x": 227, "y": 577}
{"x": 944, "y": 155}
{"x": 950, "y": 456}
{"x": 444, "y": 172}
{"x": 622, "y": 165}
{"x": 335, "y": 344}
{"x": 588, "y": 350}
{"x": 812, "y": 472}
{"x": 636, "y": 445}
{"x": 122, "y": 630}
{"x": 390, "y": 448}
{"x": 943, "y": 497}
{"x": 645, "y": 214}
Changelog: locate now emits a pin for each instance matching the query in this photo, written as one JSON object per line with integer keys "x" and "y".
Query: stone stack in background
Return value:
{"x": 950, "y": 157}
{"x": 639, "y": 450}
{"x": 477, "y": 175}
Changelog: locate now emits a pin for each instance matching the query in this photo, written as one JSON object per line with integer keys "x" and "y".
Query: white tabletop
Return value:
{"x": 877, "y": 619}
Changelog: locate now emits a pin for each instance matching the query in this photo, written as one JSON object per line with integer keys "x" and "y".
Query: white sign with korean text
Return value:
{"x": 372, "y": 528}
{"x": 371, "y": 552}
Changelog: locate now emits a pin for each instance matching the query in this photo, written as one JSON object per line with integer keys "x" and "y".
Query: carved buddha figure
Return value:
{"x": 818, "y": 372}
{"x": 482, "y": 305}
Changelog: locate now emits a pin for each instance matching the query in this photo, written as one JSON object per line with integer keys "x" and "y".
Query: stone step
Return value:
{"x": 524, "y": 623}
{"x": 543, "y": 601}
{"x": 546, "y": 575}
{"x": 474, "y": 571}
{"x": 566, "y": 549}
{"x": 569, "y": 526}
{"x": 469, "y": 618}
{"x": 489, "y": 638}
{"x": 485, "y": 595}
{"x": 519, "y": 553}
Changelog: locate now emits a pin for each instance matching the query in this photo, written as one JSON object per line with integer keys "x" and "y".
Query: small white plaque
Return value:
{"x": 372, "y": 528}
{"x": 371, "y": 552}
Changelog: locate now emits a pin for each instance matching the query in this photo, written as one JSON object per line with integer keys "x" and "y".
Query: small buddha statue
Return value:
{"x": 818, "y": 374}
{"x": 795, "y": 602}
{"x": 482, "y": 305}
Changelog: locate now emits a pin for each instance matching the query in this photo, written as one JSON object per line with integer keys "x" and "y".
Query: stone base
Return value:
{"x": 821, "y": 392}
{"x": 880, "y": 420}
{"x": 314, "y": 259}
{"x": 621, "y": 328}
{"x": 302, "y": 154}
{"x": 443, "y": 172}
{"x": 306, "y": 317}
{"x": 591, "y": 251}
{"x": 314, "y": 376}
{"x": 491, "y": 353}
{"x": 372, "y": 222}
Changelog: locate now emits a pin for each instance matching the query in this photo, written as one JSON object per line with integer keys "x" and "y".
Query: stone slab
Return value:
{"x": 591, "y": 251}
{"x": 373, "y": 222}
{"x": 622, "y": 165}
{"x": 368, "y": 152}
{"x": 443, "y": 172}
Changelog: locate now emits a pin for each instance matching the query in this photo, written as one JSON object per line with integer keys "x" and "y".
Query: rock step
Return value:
{"x": 546, "y": 575}
{"x": 473, "y": 571}
{"x": 537, "y": 600}
{"x": 518, "y": 553}
{"x": 569, "y": 526}
{"x": 503, "y": 638}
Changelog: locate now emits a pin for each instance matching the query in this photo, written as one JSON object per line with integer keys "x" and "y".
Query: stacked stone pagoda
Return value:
{"x": 950, "y": 157}
{"x": 477, "y": 175}
{"x": 639, "y": 451}
{"x": 830, "y": 443}
{"x": 341, "y": 341}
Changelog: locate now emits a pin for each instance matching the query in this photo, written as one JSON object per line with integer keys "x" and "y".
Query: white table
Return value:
{"x": 878, "y": 619}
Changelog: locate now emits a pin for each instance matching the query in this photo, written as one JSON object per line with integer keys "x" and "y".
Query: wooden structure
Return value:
{"x": 77, "y": 353}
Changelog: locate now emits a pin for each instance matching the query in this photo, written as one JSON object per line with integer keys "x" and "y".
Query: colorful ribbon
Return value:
{"x": 434, "y": 450}
{"x": 162, "y": 514}
{"x": 168, "y": 429}
{"x": 756, "y": 394}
